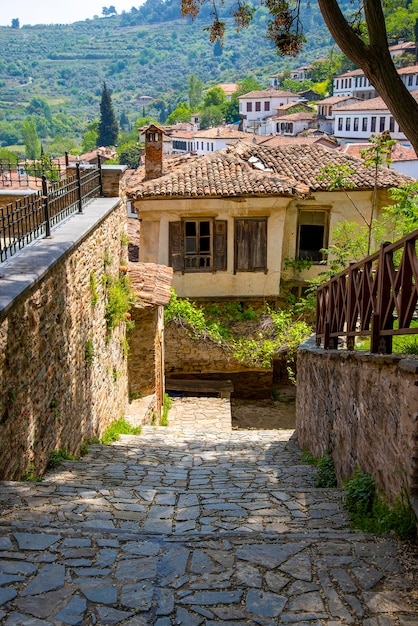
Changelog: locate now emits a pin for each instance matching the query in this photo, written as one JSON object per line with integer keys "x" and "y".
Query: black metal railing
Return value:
{"x": 34, "y": 216}
{"x": 376, "y": 297}
{"x": 26, "y": 173}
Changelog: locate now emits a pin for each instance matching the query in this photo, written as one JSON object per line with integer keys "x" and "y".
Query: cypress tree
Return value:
{"x": 108, "y": 125}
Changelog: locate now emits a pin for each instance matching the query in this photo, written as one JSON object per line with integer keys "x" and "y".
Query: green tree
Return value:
{"x": 15, "y": 22}
{"x": 181, "y": 113}
{"x": 108, "y": 126}
{"x": 195, "y": 91}
{"x": 89, "y": 142}
{"x": 211, "y": 116}
{"x": 31, "y": 139}
{"x": 130, "y": 154}
{"x": 214, "y": 97}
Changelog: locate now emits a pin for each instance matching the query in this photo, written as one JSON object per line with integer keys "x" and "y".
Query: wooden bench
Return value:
{"x": 223, "y": 388}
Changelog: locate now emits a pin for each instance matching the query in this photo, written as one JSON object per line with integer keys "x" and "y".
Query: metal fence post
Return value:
{"x": 80, "y": 202}
{"x": 99, "y": 165}
{"x": 46, "y": 207}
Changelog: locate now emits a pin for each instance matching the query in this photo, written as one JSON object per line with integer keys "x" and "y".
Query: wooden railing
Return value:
{"x": 375, "y": 297}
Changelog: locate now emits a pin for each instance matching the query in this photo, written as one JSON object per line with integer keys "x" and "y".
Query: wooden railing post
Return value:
{"x": 380, "y": 343}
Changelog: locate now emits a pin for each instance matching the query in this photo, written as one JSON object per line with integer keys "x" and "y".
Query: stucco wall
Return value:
{"x": 364, "y": 410}
{"x": 52, "y": 395}
{"x": 155, "y": 217}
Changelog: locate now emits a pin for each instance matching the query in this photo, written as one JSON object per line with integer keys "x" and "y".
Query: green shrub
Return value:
{"x": 30, "y": 475}
{"x": 89, "y": 352}
{"x": 325, "y": 472}
{"x": 369, "y": 512}
{"x": 119, "y": 299}
{"x": 56, "y": 457}
{"x": 325, "y": 469}
{"x": 168, "y": 403}
{"x": 117, "y": 428}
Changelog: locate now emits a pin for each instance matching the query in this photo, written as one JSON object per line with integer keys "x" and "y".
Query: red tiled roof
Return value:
{"x": 218, "y": 174}
{"x": 372, "y": 104}
{"x": 304, "y": 164}
{"x": 248, "y": 169}
{"x": 268, "y": 93}
{"x": 398, "y": 151}
{"x": 151, "y": 283}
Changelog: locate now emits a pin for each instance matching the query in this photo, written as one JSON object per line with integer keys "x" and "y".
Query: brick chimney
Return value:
{"x": 153, "y": 152}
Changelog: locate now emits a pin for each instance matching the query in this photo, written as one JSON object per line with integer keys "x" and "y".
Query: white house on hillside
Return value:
{"x": 356, "y": 122}
{"x": 256, "y": 106}
{"x": 205, "y": 141}
{"x": 356, "y": 84}
{"x": 327, "y": 109}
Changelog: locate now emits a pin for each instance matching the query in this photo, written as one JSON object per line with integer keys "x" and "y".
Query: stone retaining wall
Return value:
{"x": 188, "y": 358}
{"x": 64, "y": 376}
{"x": 363, "y": 409}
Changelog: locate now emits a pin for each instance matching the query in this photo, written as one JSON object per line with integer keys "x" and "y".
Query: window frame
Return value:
{"x": 177, "y": 245}
{"x": 325, "y": 237}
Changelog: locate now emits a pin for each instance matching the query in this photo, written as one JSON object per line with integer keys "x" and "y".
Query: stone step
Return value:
{"x": 130, "y": 579}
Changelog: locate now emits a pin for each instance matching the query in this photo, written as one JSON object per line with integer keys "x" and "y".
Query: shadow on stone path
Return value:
{"x": 192, "y": 525}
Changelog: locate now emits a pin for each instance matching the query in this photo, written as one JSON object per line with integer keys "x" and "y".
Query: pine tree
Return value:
{"x": 108, "y": 126}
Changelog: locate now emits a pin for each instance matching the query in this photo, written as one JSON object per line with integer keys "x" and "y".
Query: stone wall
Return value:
{"x": 188, "y": 358}
{"x": 142, "y": 352}
{"x": 64, "y": 375}
{"x": 364, "y": 410}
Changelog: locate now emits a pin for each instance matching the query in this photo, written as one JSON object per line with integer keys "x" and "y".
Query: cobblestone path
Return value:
{"x": 193, "y": 525}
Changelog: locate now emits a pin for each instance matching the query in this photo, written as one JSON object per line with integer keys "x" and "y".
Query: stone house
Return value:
{"x": 227, "y": 222}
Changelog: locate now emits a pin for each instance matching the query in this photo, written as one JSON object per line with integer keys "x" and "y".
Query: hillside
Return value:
{"x": 136, "y": 53}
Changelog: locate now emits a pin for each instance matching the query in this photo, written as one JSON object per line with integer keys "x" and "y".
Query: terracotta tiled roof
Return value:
{"x": 276, "y": 141}
{"x": 398, "y": 152}
{"x": 350, "y": 73}
{"x": 296, "y": 117}
{"x": 151, "y": 283}
{"x": 412, "y": 69}
{"x": 304, "y": 164}
{"x": 268, "y": 93}
{"x": 249, "y": 169}
{"x": 219, "y": 174}
{"x": 372, "y": 104}
{"x": 225, "y": 132}
{"x": 337, "y": 100}
{"x": 228, "y": 88}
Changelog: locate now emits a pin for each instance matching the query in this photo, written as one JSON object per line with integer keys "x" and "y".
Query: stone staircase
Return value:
{"x": 188, "y": 525}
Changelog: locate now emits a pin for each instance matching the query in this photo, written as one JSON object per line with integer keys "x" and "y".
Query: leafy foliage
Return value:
{"x": 268, "y": 333}
{"x": 118, "y": 428}
{"x": 325, "y": 469}
{"x": 371, "y": 513}
{"x": 119, "y": 299}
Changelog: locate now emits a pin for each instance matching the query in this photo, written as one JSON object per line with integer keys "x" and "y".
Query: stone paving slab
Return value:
{"x": 191, "y": 526}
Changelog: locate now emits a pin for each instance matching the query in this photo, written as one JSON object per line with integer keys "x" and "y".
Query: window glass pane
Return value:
{"x": 204, "y": 228}
{"x": 190, "y": 229}
{"x": 311, "y": 240}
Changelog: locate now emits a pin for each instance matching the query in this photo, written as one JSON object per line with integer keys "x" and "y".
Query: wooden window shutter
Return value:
{"x": 251, "y": 244}
{"x": 175, "y": 244}
{"x": 219, "y": 244}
